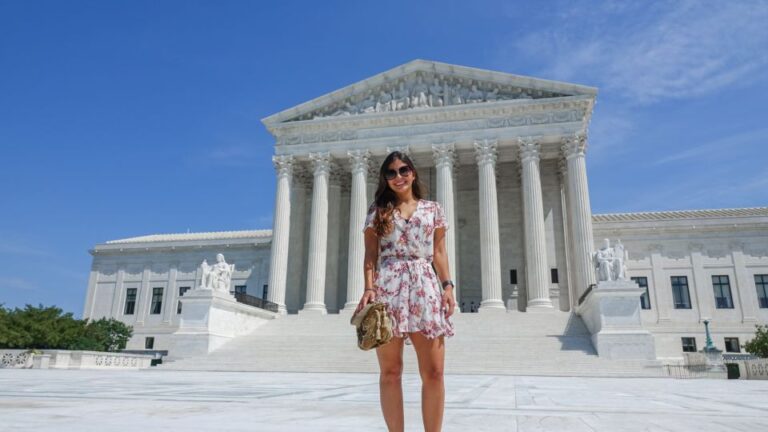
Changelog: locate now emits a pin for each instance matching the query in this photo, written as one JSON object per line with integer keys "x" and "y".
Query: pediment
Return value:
{"x": 425, "y": 85}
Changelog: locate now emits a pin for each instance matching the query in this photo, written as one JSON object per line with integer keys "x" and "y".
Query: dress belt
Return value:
{"x": 407, "y": 260}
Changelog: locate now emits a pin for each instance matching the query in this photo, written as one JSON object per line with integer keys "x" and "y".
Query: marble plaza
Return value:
{"x": 506, "y": 157}
{"x": 40, "y": 400}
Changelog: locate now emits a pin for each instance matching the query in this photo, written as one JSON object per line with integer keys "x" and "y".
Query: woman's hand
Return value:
{"x": 449, "y": 303}
{"x": 369, "y": 296}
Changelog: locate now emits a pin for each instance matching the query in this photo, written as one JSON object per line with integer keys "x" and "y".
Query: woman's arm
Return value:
{"x": 440, "y": 259}
{"x": 371, "y": 257}
{"x": 369, "y": 267}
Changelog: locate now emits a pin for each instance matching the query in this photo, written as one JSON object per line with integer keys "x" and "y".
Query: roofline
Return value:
{"x": 420, "y": 65}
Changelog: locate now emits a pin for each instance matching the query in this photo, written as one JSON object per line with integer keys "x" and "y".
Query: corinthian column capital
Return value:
{"x": 485, "y": 152}
{"x": 574, "y": 146}
{"x": 283, "y": 165}
{"x": 444, "y": 154}
{"x": 529, "y": 149}
{"x": 359, "y": 161}
{"x": 321, "y": 163}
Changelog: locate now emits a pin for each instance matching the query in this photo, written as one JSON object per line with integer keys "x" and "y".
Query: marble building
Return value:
{"x": 505, "y": 156}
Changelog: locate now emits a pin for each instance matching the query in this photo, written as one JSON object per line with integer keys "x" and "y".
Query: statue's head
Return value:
{"x": 219, "y": 258}
{"x": 606, "y": 243}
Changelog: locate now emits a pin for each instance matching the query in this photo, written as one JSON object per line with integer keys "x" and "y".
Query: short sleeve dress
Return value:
{"x": 405, "y": 279}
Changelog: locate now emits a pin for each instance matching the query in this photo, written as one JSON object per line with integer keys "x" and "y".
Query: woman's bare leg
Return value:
{"x": 431, "y": 355}
{"x": 390, "y": 383}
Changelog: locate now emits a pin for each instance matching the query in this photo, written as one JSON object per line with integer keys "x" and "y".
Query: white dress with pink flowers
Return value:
{"x": 405, "y": 279}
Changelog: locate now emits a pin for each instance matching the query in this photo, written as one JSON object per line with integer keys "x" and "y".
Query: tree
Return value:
{"x": 109, "y": 334}
{"x": 50, "y": 328}
{"x": 759, "y": 345}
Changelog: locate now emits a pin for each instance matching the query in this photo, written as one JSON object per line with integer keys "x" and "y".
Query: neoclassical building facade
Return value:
{"x": 505, "y": 156}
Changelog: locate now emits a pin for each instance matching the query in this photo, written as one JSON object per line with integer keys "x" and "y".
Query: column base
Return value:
{"x": 349, "y": 309}
{"x": 541, "y": 303}
{"x": 282, "y": 310}
{"x": 314, "y": 308}
{"x": 492, "y": 306}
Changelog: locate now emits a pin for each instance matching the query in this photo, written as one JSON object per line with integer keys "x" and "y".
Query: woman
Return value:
{"x": 405, "y": 236}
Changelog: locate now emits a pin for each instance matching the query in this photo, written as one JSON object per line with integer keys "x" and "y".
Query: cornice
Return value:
{"x": 494, "y": 114}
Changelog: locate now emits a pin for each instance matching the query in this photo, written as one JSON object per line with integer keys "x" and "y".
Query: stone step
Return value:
{"x": 550, "y": 343}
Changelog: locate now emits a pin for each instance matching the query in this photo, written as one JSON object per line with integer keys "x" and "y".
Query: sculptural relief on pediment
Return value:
{"x": 422, "y": 90}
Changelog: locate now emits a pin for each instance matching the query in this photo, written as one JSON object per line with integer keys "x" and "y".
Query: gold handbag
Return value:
{"x": 374, "y": 328}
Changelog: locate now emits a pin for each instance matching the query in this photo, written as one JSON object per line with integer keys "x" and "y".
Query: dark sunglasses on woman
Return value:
{"x": 404, "y": 171}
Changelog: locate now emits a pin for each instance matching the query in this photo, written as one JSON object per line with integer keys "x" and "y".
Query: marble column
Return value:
{"x": 318, "y": 235}
{"x": 533, "y": 222}
{"x": 444, "y": 155}
{"x": 280, "y": 232}
{"x": 580, "y": 214}
{"x": 490, "y": 256}
{"x": 358, "y": 206}
{"x": 570, "y": 302}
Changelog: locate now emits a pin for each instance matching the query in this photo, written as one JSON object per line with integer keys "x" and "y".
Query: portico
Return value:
{"x": 509, "y": 149}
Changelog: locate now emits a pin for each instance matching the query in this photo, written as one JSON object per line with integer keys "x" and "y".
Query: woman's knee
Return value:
{"x": 432, "y": 373}
{"x": 392, "y": 374}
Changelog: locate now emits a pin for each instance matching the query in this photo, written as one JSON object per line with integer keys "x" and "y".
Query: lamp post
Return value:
{"x": 709, "y": 346}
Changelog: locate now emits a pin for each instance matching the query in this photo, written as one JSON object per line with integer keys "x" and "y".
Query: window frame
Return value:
{"x": 130, "y": 298}
{"x": 645, "y": 298}
{"x": 156, "y": 304}
{"x": 683, "y": 340}
{"x": 762, "y": 301}
{"x": 721, "y": 285}
{"x": 182, "y": 291}
{"x": 676, "y": 304}
{"x": 738, "y": 346}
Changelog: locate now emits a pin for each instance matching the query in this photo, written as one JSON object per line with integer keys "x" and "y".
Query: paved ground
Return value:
{"x": 36, "y": 400}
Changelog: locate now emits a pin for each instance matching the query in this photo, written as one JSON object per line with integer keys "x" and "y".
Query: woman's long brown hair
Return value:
{"x": 385, "y": 198}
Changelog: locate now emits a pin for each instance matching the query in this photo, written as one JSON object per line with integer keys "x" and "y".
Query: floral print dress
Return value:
{"x": 405, "y": 279}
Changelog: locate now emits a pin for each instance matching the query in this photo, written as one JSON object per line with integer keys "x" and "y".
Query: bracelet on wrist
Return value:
{"x": 370, "y": 289}
{"x": 448, "y": 282}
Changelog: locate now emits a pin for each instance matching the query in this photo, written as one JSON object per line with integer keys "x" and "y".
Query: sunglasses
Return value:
{"x": 404, "y": 171}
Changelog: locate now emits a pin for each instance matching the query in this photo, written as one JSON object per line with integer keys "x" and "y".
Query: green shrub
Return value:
{"x": 50, "y": 328}
{"x": 759, "y": 345}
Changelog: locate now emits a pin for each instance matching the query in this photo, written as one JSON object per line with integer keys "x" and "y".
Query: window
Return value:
{"x": 553, "y": 275}
{"x": 732, "y": 345}
{"x": 264, "y": 291}
{"x": 680, "y": 292}
{"x": 513, "y": 276}
{"x": 645, "y": 298}
{"x": 761, "y": 283}
{"x": 182, "y": 290}
{"x": 722, "y": 287}
{"x": 130, "y": 301}
{"x": 157, "y": 301}
{"x": 689, "y": 344}
{"x": 149, "y": 342}
{"x": 241, "y": 289}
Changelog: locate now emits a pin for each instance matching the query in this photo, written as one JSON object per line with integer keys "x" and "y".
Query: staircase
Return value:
{"x": 549, "y": 343}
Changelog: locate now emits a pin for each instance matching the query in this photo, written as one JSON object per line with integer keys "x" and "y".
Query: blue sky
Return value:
{"x": 116, "y": 117}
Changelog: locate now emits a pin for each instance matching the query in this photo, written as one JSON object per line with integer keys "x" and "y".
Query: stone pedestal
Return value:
{"x": 209, "y": 319}
{"x": 715, "y": 362}
{"x": 611, "y": 312}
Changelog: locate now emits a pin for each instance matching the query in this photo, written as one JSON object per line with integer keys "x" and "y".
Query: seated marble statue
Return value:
{"x": 609, "y": 262}
{"x": 218, "y": 276}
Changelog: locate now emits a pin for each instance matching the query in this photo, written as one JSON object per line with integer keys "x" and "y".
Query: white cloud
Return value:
{"x": 717, "y": 148}
{"x": 649, "y": 51}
